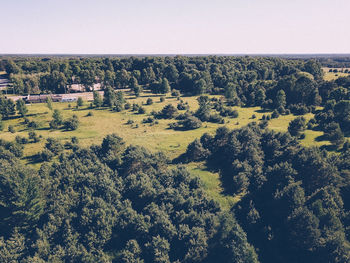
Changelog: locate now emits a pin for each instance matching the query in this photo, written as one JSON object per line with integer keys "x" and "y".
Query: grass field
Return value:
{"x": 157, "y": 137}
{"x": 332, "y": 75}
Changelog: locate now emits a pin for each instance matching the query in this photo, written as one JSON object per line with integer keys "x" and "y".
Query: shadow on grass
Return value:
{"x": 263, "y": 111}
{"x": 321, "y": 138}
{"x": 33, "y": 159}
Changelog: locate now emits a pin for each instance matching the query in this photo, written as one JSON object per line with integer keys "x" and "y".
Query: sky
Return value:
{"x": 174, "y": 26}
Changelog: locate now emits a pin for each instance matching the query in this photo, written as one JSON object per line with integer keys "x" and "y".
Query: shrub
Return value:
{"x": 90, "y": 113}
{"x": 127, "y": 106}
{"x": 275, "y": 114}
{"x": 141, "y": 110}
{"x": 148, "y": 120}
{"x": 162, "y": 99}
{"x": 190, "y": 123}
{"x": 46, "y": 155}
{"x": 33, "y": 125}
{"x": 11, "y": 129}
{"x": 168, "y": 112}
{"x": 149, "y": 101}
{"x": 34, "y": 137}
{"x": 54, "y": 146}
{"x": 72, "y": 123}
{"x": 175, "y": 93}
{"x": 216, "y": 118}
{"x": 135, "y": 107}
{"x": 130, "y": 121}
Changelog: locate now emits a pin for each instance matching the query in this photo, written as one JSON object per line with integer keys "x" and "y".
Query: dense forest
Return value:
{"x": 296, "y": 203}
{"x": 111, "y": 202}
{"x": 116, "y": 202}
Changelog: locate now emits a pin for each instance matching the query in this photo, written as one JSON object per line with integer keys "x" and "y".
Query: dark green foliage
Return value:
{"x": 98, "y": 102}
{"x": 54, "y": 146}
{"x": 296, "y": 204}
{"x": 111, "y": 203}
{"x": 11, "y": 129}
{"x": 80, "y": 102}
{"x": 141, "y": 110}
{"x": 168, "y": 112}
{"x": 334, "y": 134}
{"x": 297, "y": 126}
{"x": 57, "y": 120}
{"x": 21, "y": 107}
{"x": 149, "y": 101}
{"x": 7, "y": 108}
{"x": 72, "y": 123}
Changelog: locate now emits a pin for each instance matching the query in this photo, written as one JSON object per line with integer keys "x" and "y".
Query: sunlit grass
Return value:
{"x": 157, "y": 137}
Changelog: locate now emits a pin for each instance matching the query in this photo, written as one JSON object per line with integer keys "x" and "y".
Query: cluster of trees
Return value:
{"x": 111, "y": 203}
{"x": 58, "y": 122}
{"x": 296, "y": 200}
{"x": 245, "y": 80}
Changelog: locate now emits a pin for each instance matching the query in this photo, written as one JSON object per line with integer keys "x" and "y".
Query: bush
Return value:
{"x": 299, "y": 109}
{"x": 275, "y": 114}
{"x": 162, "y": 99}
{"x": 216, "y": 118}
{"x": 263, "y": 124}
{"x": 72, "y": 123}
{"x": 46, "y": 155}
{"x": 90, "y": 113}
{"x": 127, "y": 106}
{"x": 141, "y": 110}
{"x": 190, "y": 123}
{"x": 130, "y": 122}
{"x": 135, "y": 107}
{"x": 11, "y": 129}
{"x": 148, "y": 120}
{"x": 118, "y": 106}
{"x": 149, "y": 101}
{"x": 34, "y": 137}
{"x": 54, "y": 146}
{"x": 175, "y": 93}
{"x": 182, "y": 106}
{"x": 33, "y": 125}
{"x": 21, "y": 140}
{"x": 168, "y": 112}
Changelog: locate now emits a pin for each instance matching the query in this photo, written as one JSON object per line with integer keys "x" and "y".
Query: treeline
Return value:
{"x": 246, "y": 77}
{"x": 296, "y": 200}
{"x": 111, "y": 203}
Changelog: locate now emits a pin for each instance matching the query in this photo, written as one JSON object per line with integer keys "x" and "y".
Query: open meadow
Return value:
{"x": 156, "y": 137}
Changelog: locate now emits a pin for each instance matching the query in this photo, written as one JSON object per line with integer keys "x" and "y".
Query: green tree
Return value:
{"x": 280, "y": 99}
{"x": 21, "y": 107}
{"x": 297, "y": 126}
{"x": 80, "y": 102}
{"x": 49, "y": 102}
{"x": 135, "y": 87}
{"x": 97, "y": 99}
{"x": 164, "y": 86}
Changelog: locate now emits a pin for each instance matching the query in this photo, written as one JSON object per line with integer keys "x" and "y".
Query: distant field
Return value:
{"x": 334, "y": 75}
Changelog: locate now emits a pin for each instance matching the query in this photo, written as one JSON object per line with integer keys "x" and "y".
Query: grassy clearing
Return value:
{"x": 333, "y": 75}
{"x": 212, "y": 185}
{"x": 157, "y": 137}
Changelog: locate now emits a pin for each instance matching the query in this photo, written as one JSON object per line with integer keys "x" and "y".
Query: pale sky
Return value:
{"x": 174, "y": 26}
